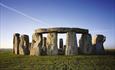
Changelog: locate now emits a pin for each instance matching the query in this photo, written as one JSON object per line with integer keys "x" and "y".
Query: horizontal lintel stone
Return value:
{"x": 61, "y": 30}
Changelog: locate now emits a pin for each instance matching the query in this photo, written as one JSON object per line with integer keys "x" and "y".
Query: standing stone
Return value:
{"x": 85, "y": 44}
{"x": 61, "y": 47}
{"x": 51, "y": 44}
{"x": 16, "y": 41}
{"x": 71, "y": 44}
{"x": 24, "y": 45}
{"x": 44, "y": 48}
{"x": 64, "y": 47}
{"x": 61, "y": 43}
{"x": 100, "y": 39}
{"x": 36, "y": 45}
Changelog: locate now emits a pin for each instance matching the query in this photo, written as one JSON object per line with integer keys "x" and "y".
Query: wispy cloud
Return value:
{"x": 23, "y": 14}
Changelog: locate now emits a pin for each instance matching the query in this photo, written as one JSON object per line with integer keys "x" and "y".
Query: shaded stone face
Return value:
{"x": 36, "y": 45}
{"x": 51, "y": 44}
{"x": 16, "y": 41}
{"x": 44, "y": 48}
{"x": 64, "y": 47}
{"x": 100, "y": 39}
{"x": 71, "y": 44}
{"x": 61, "y": 43}
{"x": 61, "y": 47}
{"x": 24, "y": 45}
{"x": 85, "y": 44}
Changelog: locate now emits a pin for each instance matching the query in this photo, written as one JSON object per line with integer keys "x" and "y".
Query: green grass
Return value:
{"x": 9, "y": 61}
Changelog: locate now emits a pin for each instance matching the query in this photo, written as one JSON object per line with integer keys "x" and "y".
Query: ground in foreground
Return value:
{"x": 9, "y": 61}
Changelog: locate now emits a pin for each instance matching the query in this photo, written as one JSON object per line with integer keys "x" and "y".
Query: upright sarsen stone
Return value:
{"x": 44, "y": 48}
{"x": 100, "y": 39}
{"x": 61, "y": 47}
{"x": 51, "y": 44}
{"x": 36, "y": 45}
{"x": 71, "y": 44}
{"x": 61, "y": 43}
{"x": 24, "y": 45}
{"x": 16, "y": 41}
{"x": 85, "y": 44}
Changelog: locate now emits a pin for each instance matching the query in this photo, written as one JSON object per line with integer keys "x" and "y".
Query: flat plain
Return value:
{"x": 10, "y": 61}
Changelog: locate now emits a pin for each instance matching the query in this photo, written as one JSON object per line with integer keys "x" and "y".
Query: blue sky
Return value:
{"x": 24, "y": 16}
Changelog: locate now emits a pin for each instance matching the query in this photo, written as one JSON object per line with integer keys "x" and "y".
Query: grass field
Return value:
{"x": 9, "y": 61}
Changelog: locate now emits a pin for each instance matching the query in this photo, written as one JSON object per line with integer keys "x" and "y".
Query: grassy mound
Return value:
{"x": 9, "y": 61}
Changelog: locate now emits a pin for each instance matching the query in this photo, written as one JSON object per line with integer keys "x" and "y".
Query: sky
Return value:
{"x": 24, "y": 16}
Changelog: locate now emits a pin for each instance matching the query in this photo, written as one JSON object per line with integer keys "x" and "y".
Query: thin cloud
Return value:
{"x": 23, "y": 14}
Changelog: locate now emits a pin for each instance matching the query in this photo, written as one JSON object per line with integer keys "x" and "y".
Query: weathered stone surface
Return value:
{"x": 85, "y": 44}
{"x": 44, "y": 48}
{"x": 61, "y": 47}
{"x": 30, "y": 46}
{"x": 24, "y": 45}
{"x": 61, "y": 43}
{"x": 100, "y": 39}
{"x": 48, "y": 46}
{"x": 61, "y": 30}
{"x": 64, "y": 49}
{"x": 36, "y": 45}
{"x": 51, "y": 44}
{"x": 71, "y": 44}
{"x": 16, "y": 41}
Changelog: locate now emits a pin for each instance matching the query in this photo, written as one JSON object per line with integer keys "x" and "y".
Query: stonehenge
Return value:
{"x": 48, "y": 45}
